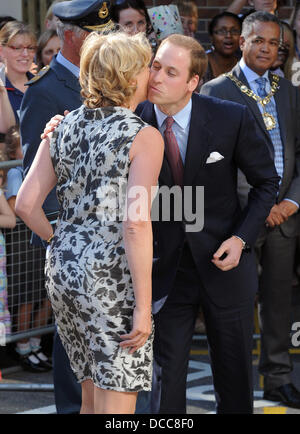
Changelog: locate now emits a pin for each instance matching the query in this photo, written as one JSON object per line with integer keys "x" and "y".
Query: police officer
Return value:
{"x": 52, "y": 91}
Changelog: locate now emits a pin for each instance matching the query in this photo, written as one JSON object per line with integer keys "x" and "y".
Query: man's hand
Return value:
{"x": 276, "y": 217}
{"x": 288, "y": 208}
{"x": 52, "y": 124}
{"x": 280, "y": 213}
{"x": 232, "y": 247}
{"x": 34, "y": 68}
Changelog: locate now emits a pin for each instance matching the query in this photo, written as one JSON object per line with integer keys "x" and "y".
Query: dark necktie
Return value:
{"x": 173, "y": 153}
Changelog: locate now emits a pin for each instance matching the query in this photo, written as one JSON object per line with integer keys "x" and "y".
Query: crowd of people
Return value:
{"x": 127, "y": 295}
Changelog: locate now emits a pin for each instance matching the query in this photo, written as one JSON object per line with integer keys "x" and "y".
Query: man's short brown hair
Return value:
{"x": 198, "y": 63}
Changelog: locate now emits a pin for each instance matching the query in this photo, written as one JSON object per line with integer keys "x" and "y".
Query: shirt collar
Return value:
{"x": 67, "y": 64}
{"x": 250, "y": 75}
{"x": 9, "y": 85}
{"x": 182, "y": 118}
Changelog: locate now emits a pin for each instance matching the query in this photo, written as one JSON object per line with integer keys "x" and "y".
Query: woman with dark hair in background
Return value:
{"x": 48, "y": 46}
{"x": 225, "y": 30}
{"x": 132, "y": 16}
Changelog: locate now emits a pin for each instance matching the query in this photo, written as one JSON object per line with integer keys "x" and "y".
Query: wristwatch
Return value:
{"x": 243, "y": 242}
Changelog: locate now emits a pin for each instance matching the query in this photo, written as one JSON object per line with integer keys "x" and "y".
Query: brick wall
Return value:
{"x": 209, "y": 8}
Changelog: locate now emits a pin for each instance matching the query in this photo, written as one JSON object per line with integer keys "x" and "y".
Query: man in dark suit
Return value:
{"x": 56, "y": 89}
{"x": 274, "y": 103}
{"x": 214, "y": 266}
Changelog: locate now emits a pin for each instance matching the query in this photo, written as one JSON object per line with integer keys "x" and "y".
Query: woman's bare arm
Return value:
{"x": 236, "y": 6}
{"x": 38, "y": 183}
{"x": 147, "y": 154}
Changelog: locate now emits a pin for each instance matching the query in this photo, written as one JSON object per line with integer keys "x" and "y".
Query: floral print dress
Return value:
{"x": 87, "y": 274}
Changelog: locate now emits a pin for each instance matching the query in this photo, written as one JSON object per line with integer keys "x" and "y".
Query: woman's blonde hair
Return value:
{"x": 109, "y": 65}
{"x": 15, "y": 28}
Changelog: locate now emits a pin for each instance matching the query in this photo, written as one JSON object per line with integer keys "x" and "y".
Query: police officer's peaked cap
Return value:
{"x": 90, "y": 15}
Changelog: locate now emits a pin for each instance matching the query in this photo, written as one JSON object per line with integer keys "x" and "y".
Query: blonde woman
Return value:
{"x": 99, "y": 267}
{"x": 17, "y": 48}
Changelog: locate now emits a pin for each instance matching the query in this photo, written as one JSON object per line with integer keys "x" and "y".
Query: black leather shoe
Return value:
{"x": 44, "y": 361}
{"x": 31, "y": 363}
{"x": 286, "y": 394}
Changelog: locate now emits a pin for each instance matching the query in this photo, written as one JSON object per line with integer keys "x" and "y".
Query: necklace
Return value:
{"x": 269, "y": 120}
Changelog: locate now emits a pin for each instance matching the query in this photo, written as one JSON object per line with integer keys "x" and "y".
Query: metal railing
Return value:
{"x": 28, "y": 305}
{"x": 29, "y": 308}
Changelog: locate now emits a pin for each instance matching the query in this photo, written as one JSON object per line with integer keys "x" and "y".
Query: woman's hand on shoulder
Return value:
{"x": 52, "y": 124}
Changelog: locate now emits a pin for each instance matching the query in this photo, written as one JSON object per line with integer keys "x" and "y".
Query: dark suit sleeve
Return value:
{"x": 38, "y": 106}
{"x": 253, "y": 158}
{"x": 294, "y": 189}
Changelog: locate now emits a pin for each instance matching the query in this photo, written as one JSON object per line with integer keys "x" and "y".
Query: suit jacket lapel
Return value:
{"x": 148, "y": 115}
{"x": 198, "y": 141}
{"x": 250, "y": 102}
{"x": 282, "y": 101}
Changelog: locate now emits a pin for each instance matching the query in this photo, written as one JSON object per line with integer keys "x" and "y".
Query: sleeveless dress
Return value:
{"x": 87, "y": 274}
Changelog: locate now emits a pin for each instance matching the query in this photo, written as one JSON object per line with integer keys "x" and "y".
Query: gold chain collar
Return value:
{"x": 269, "y": 120}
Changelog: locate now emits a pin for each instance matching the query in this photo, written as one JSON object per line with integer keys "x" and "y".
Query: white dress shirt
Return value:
{"x": 67, "y": 64}
{"x": 180, "y": 127}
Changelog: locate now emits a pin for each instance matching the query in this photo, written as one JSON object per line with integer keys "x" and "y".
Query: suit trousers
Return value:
{"x": 276, "y": 254}
{"x": 67, "y": 391}
{"x": 230, "y": 340}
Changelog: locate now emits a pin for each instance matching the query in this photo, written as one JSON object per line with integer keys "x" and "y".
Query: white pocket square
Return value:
{"x": 214, "y": 157}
